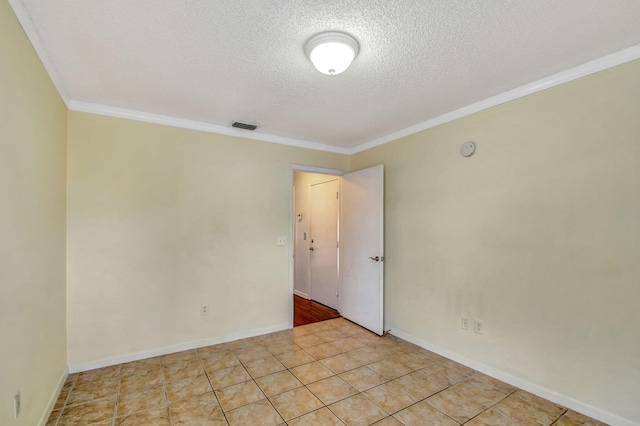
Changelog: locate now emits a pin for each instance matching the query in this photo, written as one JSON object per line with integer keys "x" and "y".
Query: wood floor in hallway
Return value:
{"x": 307, "y": 311}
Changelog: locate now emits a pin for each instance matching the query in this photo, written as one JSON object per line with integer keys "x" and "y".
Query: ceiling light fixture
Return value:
{"x": 332, "y": 52}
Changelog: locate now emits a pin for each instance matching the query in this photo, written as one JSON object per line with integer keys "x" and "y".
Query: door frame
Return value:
{"x": 309, "y": 169}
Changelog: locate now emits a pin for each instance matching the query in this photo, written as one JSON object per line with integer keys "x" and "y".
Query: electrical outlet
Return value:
{"x": 17, "y": 405}
{"x": 204, "y": 310}
{"x": 478, "y": 326}
{"x": 465, "y": 323}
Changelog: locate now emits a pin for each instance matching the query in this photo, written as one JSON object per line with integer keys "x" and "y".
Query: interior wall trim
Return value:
{"x": 592, "y": 67}
{"x": 538, "y": 390}
{"x": 136, "y": 356}
{"x": 202, "y": 126}
{"x": 301, "y": 294}
{"x": 614, "y": 59}
{"x": 38, "y": 46}
{"x": 54, "y": 397}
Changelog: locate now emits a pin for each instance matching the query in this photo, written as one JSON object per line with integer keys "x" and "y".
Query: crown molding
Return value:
{"x": 600, "y": 64}
{"x": 38, "y": 46}
{"x": 198, "y": 125}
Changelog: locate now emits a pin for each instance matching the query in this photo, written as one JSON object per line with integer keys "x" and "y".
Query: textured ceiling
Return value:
{"x": 220, "y": 61}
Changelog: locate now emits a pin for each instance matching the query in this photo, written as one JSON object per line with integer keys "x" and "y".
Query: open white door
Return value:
{"x": 362, "y": 247}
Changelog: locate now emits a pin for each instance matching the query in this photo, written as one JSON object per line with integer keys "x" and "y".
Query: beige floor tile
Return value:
{"x": 89, "y": 391}
{"x": 495, "y": 383}
{"x": 299, "y": 332}
{"x": 368, "y": 338}
{"x": 312, "y": 372}
{"x": 199, "y": 408}
{"x": 154, "y": 397}
{"x": 220, "y": 361}
{"x": 388, "y": 421}
{"x": 282, "y": 347}
{"x": 528, "y": 409}
{"x": 180, "y": 357}
{"x": 138, "y": 367}
{"x": 319, "y": 327}
{"x": 366, "y": 355}
{"x": 280, "y": 382}
{"x": 295, "y": 403}
{"x": 293, "y": 359}
{"x": 307, "y": 340}
{"x": 394, "y": 376}
{"x": 418, "y": 385}
{"x": 442, "y": 374}
{"x": 99, "y": 374}
{"x": 141, "y": 378}
{"x": 363, "y": 378}
{"x": 413, "y": 360}
{"x": 228, "y": 376}
{"x": 238, "y": 395}
{"x": 180, "y": 370}
{"x": 321, "y": 417}
{"x": 421, "y": 414}
{"x": 323, "y": 350}
{"x": 571, "y": 418}
{"x": 390, "y": 397}
{"x": 187, "y": 388}
{"x": 91, "y": 412}
{"x": 357, "y": 410}
{"x": 252, "y": 353}
{"x": 264, "y": 366}
{"x": 210, "y": 351}
{"x": 481, "y": 392}
{"x": 330, "y": 335}
{"x": 217, "y": 420}
{"x": 455, "y": 405}
{"x": 332, "y": 389}
{"x": 155, "y": 417}
{"x": 346, "y": 344}
{"x": 491, "y": 418}
{"x": 53, "y": 418}
{"x": 341, "y": 363}
{"x": 259, "y": 413}
{"x": 62, "y": 397}
{"x": 390, "y": 369}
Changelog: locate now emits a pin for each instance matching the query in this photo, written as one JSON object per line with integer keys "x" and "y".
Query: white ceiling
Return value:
{"x": 219, "y": 61}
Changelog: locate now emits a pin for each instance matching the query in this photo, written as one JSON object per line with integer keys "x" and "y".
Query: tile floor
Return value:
{"x": 327, "y": 373}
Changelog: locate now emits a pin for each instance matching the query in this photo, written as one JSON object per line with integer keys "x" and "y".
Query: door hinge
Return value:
{"x": 336, "y": 195}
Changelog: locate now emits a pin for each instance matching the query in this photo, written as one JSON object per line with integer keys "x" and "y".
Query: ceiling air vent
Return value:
{"x": 244, "y": 126}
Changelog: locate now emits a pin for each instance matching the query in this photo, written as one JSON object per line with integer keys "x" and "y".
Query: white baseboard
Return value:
{"x": 75, "y": 368}
{"x": 54, "y": 397}
{"x": 301, "y": 294}
{"x": 540, "y": 391}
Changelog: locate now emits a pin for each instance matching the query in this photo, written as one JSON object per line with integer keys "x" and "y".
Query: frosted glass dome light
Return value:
{"x": 331, "y": 53}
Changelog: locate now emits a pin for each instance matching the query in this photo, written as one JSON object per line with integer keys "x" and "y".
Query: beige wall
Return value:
{"x": 537, "y": 234}
{"x": 302, "y": 182}
{"x": 32, "y": 228}
{"x": 162, "y": 220}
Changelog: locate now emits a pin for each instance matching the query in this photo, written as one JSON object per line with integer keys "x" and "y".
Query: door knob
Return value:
{"x": 311, "y": 248}
{"x": 377, "y": 258}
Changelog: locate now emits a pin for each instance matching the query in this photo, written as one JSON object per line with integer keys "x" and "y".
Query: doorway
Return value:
{"x": 316, "y": 238}
{"x": 350, "y": 274}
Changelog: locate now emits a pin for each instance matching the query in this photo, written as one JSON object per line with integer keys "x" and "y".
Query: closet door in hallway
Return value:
{"x": 324, "y": 242}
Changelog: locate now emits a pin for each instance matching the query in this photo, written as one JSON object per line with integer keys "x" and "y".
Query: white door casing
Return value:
{"x": 362, "y": 248}
{"x": 323, "y": 243}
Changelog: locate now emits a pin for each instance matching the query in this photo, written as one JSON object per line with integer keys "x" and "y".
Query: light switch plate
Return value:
{"x": 282, "y": 240}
